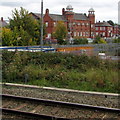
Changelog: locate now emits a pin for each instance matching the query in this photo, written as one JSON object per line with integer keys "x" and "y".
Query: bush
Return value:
{"x": 116, "y": 40}
{"x": 80, "y": 41}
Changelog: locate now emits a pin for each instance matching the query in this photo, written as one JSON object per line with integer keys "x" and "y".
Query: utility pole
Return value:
{"x": 41, "y": 38}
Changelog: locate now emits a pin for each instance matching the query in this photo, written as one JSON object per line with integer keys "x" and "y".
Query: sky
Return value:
{"x": 104, "y": 9}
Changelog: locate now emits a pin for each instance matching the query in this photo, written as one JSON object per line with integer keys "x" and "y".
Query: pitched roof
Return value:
{"x": 56, "y": 17}
{"x": 103, "y": 24}
{"x": 77, "y": 16}
{"x": 36, "y": 15}
{"x": 80, "y": 16}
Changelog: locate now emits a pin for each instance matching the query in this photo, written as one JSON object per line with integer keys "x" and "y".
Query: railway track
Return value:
{"x": 109, "y": 100}
{"x": 54, "y": 110}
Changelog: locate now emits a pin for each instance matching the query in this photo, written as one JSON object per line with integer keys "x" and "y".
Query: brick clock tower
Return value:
{"x": 91, "y": 17}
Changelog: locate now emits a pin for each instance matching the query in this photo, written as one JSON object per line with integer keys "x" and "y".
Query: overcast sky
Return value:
{"x": 104, "y": 9}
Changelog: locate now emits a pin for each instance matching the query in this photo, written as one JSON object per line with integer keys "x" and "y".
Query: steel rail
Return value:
{"x": 75, "y": 105}
{"x": 31, "y": 115}
{"x": 62, "y": 90}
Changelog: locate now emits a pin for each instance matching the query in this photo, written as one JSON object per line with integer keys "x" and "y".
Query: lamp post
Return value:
{"x": 41, "y": 29}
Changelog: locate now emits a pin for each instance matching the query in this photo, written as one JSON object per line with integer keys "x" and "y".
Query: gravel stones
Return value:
{"x": 75, "y": 97}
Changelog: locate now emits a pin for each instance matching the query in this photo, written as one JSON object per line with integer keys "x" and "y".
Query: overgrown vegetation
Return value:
{"x": 61, "y": 70}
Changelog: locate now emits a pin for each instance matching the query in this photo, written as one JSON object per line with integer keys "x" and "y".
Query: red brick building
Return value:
{"x": 78, "y": 24}
{"x": 116, "y": 31}
{"x": 105, "y": 30}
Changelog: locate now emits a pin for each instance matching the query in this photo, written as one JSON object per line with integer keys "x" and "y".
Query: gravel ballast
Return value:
{"x": 105, "y": 100}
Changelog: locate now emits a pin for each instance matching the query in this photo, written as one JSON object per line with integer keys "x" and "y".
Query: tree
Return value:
{"x": 102, "y": 41}
{"x": 25, "y": 28}
{"x": 111, "y": 22}
{"x": 60, "y": 32}
{"x": 99, "y": 40}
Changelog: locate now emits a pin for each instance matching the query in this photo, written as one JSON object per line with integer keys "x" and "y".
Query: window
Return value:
{"x": 46, "y": 24}
{"x": 87, "y": 34}
{"x": 97, "y": 33}
{"x": 54, "y": 24}
{"x": 81, "y": 33}
{"x": 103, "y": 28}
{"x": 96, "y": 28}
{"x": 92, "y": 34}
{"x": 100, "y": 28}
{"x": 74, "y": 33}
{"x": 103, "y": 33}
{"x": 49, "y": 35}
{"x": 91, "y": 26}
{"x": 74, "y": 23}
{"x": 87, "y": 24}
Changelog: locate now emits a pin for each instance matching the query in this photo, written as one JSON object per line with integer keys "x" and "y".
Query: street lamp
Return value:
{"x": 41, "y": 29}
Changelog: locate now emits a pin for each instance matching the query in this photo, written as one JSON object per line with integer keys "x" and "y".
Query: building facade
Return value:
{"x": 104, "y": 29}
{"x": 78, "y": 25}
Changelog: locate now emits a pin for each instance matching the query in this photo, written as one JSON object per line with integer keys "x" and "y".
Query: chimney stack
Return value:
{"x": 63, "y": 11}
{"x": 2, "y": 19}
{"x": 47, "y": 11}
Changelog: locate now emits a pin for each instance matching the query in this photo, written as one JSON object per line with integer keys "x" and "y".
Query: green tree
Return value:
{"x": 111, "y": 22}
{"x": 60, "y": 33}
{"x": 25, "y": 28}
{"x": 99, "y": 40}
{"x": 80, "y": 41}
{"x": 102, "y": 41}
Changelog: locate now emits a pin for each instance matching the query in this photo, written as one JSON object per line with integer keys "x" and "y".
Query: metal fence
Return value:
{"x": 110, "y": 49}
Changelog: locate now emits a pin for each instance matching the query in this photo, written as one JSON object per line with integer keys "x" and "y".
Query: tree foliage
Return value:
{"x": 60, "y": 32}
{"x": 25, "y": 29}
{"x": 7, "y": 37}
{"x": 111, "y": 22}
{"x": 80, "y": 41}
{"x": 99, "y": 40}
